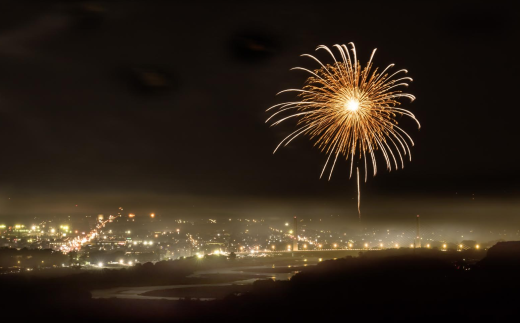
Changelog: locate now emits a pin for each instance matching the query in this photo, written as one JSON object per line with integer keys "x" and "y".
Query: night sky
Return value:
{"x": 159, "y": 107}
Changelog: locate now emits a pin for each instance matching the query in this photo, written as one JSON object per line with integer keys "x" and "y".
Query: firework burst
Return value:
{"x": 350, "y": 111}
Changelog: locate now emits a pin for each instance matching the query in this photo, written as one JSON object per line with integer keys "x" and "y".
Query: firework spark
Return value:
{"x": 350, "y": 111}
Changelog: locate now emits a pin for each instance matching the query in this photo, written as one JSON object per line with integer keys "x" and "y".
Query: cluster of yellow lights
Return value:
{"x": 350, "y": 111}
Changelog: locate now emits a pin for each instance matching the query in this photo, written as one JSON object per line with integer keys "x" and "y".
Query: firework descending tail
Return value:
{"x": 358, "y": 195}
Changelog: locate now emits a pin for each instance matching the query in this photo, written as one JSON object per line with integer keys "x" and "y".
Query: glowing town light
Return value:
{"x": 130, "y": 263}
{"x": 100, "y": 264}
{"x": 366, "y": 245}
{"x": 444, "y": 246}
{"x": 199, "y": 255}
{"x": 381, "y": 245}
{"x": 411, "y": 245}
{"x": 428, "y": 245}
{"x": 286, "y": 224}
{"x": 335, "y": 245}
{"x": 288, "y": 248}
{"x": 396, "y": 245}
{"x": 135, "y": 243}
{"x": 121, "y": 261}
{"x": 477, "y": 247}
{"x": 145, "y": 243}
{"x": 216, "y": 252}
{"x": 350, "y": 245}
{"x": 320, "y": 259}
{"x": 273, "y": 247}
{"x": 53, "y": 230}
{"x": 131, "y": 215}
{"x": 304, "y": 246}
{"x": 152, "y": 215}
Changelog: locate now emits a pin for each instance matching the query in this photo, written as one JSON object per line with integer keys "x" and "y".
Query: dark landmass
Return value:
{"x": 389, "y": 286}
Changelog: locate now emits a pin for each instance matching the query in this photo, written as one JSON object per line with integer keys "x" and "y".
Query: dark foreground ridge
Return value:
{"x": 427, "y": 286}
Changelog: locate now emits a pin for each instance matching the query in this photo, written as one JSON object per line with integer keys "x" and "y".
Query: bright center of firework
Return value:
{"x": 352, "y": 105}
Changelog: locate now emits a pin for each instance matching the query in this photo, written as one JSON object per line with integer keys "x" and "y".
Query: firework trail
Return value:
{"x": 350, "y": 111}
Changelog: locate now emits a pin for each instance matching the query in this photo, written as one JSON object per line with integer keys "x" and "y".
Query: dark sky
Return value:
{"x": 156, "y": 106}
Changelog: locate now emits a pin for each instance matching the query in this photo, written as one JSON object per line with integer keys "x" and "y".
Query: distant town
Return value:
{"x": 122, "y": 240}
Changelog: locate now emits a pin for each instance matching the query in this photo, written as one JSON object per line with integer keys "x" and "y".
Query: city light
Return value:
{"x": 131, "y": 215}
{"x": 100, "y": 264}
{"x": 428, "y": 245}
{"x": 335, "y": 245}
{"x": 366, "y": 245}
{"x": 152, "y": 215}
{"x": 444, "y": 246}
{"x": 477, "y": 247}
{"x": 304, "y": 246}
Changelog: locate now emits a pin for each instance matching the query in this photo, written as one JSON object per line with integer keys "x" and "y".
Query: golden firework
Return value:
{"x": 350, "y": 111}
